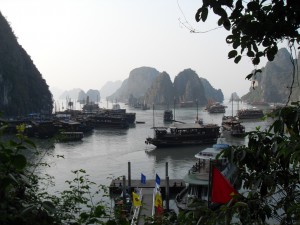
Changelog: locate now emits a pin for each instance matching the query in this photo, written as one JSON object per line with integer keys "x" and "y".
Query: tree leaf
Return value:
{"x": 198, "y": 14}
{"x": 256, "y": 60}
{"x": 220, "y": 21}
{"x": 204, "y": 14}
{"x": 232, "y": 54}
{"x": 249, "y": 76}
{"x": 250, "y": 53}
{"x": 237, "y": 59}
{"x": 253, "y": 6}
{"x": 49, "y": 206}
{"x": 227, "y": 24}
{"x": 19, "y": 161}
{"x": 236, "y": 44}
{"x": 229, "y": 39}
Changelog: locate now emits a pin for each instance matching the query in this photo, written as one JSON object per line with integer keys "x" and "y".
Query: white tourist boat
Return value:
{"x": 197, "y": 179}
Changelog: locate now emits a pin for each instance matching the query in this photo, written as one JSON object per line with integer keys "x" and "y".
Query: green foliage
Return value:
{"x": 256, "y": 26}
{"x": 25, "y": 199}
{"x": 269, "y": 168}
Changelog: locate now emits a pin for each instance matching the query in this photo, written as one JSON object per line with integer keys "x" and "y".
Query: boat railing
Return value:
{"x": 200, "y": 168}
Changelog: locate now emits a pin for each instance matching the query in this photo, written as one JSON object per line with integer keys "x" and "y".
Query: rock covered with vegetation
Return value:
{"x": 161, "y": 91}
{"x": 139, "y": 81}
{"x": 22, "y": 87}
{"x": 274, "y": 83}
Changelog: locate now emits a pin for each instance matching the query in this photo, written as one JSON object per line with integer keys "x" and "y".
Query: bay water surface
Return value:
{"x": 105, "y": 153}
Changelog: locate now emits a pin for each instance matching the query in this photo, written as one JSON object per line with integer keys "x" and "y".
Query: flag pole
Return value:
{"x": 210, "y": 178}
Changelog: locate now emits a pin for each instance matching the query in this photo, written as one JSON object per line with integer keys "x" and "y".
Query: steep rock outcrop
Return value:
{"x": 161, "y": 92}
{"x": 216, "y": 95}
{"x": 273, "y": 84}
{"x": 139, "y": 81}
{"x": 189, "y": 88}
{"x": 94, "y": 95}
{"x": 22, "y": 88}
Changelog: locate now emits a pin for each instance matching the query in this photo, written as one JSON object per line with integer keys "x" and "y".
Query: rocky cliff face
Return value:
{"x": 215, "y": 95}
{"x": 188, "y": 87}
{"x": 161, "y": 92}
{"x": 22, "y": 88}
{"x": 274, "y": 82}
{"x": 139, "y": 81}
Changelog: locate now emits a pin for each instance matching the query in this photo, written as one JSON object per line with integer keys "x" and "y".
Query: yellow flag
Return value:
{"x": 136, "y": 200}
{"x": 158, "y": 200}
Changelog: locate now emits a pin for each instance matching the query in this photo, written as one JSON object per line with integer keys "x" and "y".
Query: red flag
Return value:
{"x": 222, "y": 190}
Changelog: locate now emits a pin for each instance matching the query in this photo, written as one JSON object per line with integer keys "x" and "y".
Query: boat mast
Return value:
{"x": 153, "y": 117}
{"x": 197, "y": 109}
{"x": 174, "y": 108}
{"x": 232, "y": 105}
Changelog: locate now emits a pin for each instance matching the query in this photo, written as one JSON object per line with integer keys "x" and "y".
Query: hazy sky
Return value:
{"x": 85, "y": 43}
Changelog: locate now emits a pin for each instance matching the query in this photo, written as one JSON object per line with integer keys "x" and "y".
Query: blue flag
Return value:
{"x": 157, "y": 180}
{"x": 143, "y": 179}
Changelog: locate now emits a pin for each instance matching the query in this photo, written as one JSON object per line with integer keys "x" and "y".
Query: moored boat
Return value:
{"x": 196, "y": 192}
{"x": 232, "y": 125}
{"x": 107, "y": 121}
{"x": 252, "y": 113}
{"x": 216, "y": 108}
{"x": 70, "y": 136}
{"x": 184, "y": 134}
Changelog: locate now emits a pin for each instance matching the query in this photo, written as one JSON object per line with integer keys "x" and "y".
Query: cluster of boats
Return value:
{"x": 71, "y": 125}
{"x": 178, "y": 134}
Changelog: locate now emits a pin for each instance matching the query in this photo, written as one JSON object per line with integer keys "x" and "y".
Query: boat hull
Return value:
{"x": 179, "y": 142}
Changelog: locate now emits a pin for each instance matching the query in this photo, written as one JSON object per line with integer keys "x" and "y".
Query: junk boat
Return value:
{"x": 197, "y": 179}
{"x": 70, "y": 136}
{"x": 232, "y": 125}
{"x": 253, "y": 113}
{"x": 184, "y": 134}
{"x": 216, "y": 108}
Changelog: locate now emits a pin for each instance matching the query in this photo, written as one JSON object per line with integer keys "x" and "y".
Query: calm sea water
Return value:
{"x": 106, "y": 152}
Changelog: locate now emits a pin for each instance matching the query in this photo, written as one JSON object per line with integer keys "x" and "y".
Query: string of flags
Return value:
{"x": 158, "y": 203}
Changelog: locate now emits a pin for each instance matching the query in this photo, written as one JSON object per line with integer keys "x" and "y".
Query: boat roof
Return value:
{"x": 190, "y": 125}
{"x": 212, "y": 152}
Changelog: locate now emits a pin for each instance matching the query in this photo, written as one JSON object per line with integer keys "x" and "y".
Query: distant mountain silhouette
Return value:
{"x": 71, "y": 94}
{"x": 109, "y": 88}
{"x": 273, "y": 84}
{"x": 138, "y": 82}
{"x": 146, "y": 85}
{"x": 22, "y": 87}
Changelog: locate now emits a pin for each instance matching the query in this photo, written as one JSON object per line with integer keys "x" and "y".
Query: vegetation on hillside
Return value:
{"x": 22, "y": 88}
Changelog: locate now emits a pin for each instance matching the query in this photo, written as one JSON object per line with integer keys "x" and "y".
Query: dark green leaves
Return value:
{"x": 253, "y": 6}
{"x": 232, "y": 54}
{"x": 237, "y": 59}
{"x": 19, "y": 161}
{"x": 201, "y": 14}
{"x": 204, "y": 14}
